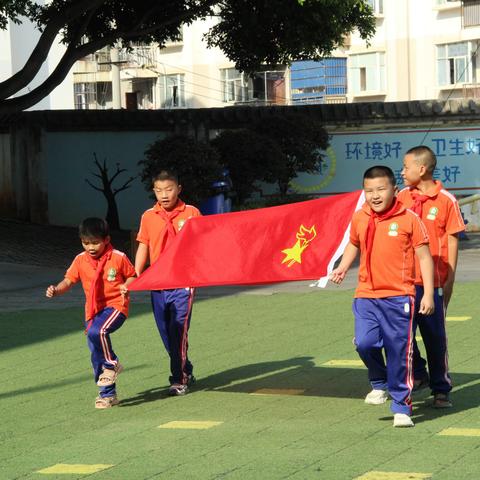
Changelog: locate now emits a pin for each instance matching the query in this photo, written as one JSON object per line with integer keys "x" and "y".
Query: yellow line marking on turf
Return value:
{"x": 255, "y": 377}
{"x": 61, "y": 468}
{"x": 394, "y": 476}
{"x": 192, "y": 425}
{"x": 461, "y": 432}
{"x": 458, "y": 319}
{"x": 279, "y": 391}
{"x": 344, "y": 363}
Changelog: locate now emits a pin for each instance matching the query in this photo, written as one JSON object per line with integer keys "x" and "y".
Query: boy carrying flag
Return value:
{"x": 388, "y": 237}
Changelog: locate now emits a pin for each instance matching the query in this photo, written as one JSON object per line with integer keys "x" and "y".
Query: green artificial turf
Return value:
{"x": 239, "y": 345}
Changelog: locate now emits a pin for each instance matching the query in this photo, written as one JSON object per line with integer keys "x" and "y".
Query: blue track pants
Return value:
{"x": 387, "y": 323}
{"x": 98, "y": 338}
{"x": 172, "y": 310}
{"x": 434, "y": 335}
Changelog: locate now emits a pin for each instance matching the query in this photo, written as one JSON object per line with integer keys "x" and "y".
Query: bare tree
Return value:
{"x": 108, "y": 190}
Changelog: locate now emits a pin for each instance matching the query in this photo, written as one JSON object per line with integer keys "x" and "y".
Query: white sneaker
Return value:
{"x": 402, "y": 420}
{"x": 376, "y": 397}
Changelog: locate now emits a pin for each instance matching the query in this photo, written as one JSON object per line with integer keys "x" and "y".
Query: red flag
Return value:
{"x": 299, "y": 241}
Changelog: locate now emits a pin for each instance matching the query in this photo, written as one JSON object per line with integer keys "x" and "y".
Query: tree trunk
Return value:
{"x": 112, "y": 211}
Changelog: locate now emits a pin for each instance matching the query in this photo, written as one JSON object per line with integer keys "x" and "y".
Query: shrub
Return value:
{"x": 196, "y": 164}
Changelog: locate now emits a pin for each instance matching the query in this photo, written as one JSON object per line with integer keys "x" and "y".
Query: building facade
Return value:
{"x": 422, "y": 50}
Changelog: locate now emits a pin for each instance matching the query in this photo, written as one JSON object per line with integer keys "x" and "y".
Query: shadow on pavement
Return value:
{"x": 302, "y": 377}
{"x": 73, "y": 380}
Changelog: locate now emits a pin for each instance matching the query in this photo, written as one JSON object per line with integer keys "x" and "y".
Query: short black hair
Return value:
{"x": 380, "y": 171}
{"x": 425, "y": 156}
{"x": 165, "y": 175}
{"x": 93, "y": 227}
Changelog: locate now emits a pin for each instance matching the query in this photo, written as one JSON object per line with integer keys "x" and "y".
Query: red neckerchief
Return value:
{"x": 169, "y": 232}
{"x": 372, "y": 225}
{"x": 418, "y": 200}
{"x": 98, "y": 264}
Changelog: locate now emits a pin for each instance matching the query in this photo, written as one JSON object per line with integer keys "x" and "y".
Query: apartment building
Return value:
{"x": 422, "y": 50}
{"x": 186, "y": 74}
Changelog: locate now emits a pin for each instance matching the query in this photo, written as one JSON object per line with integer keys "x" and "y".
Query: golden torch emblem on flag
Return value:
{"x": 304, "y": 238}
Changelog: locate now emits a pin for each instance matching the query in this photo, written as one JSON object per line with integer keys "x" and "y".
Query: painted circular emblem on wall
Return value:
{"x": 327, "y": 173}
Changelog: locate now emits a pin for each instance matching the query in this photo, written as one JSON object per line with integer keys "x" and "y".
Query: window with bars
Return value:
{"x": 84, "y": 95}
{"x": 92, "y": 95}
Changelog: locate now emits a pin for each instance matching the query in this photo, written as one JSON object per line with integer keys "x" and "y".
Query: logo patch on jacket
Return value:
{"x": 393, "y": 229}
{"x": 432, "y": 213}
{"x": 111, "y": 275}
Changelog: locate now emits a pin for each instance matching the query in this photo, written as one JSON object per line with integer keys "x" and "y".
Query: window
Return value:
{"x": 174, "y": 95}
{"x": 312, "y": 81}
{"x": 92, "y": 95}
{"x": 377, "y": 6}
{"x": 445, "y": 2}
{"x": 456, "y": 63}
{"x": 367, "y": 73}
{"x": 84, "y": 94}
{"x": 235, "y": 85}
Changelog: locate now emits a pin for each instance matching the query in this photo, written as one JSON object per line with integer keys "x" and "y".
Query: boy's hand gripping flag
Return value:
{"x": 299, "y": 241}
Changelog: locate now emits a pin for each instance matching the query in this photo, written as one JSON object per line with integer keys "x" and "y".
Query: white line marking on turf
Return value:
{"x": 344, "y": 363}
{"x": 278, "y": 391}
{"x": 190, "y": 425}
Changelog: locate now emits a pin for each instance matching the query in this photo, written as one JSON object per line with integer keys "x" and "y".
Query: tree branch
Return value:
{"x": 124, "y": 186}
{"x": 117, "y": 173}
{"x": 93, "y": 186}
{"x": 40, "y": 53}
{"x": 72, "y": 54}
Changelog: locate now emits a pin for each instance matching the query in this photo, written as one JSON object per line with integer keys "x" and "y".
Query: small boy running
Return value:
{"x": 105, "y": 274}
{"x": 388, "y": 236}
{"x": 172, "y": 309}
{"x": 441, "y": 215}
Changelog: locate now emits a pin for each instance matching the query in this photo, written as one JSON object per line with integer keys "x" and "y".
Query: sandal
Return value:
{"x": 106, "y": 402}
{"x": 442, "y": 400}
{"x": 109, "y": 376}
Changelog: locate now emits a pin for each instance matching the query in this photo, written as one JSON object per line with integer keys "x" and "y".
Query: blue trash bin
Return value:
{"x": 219, "y": 202}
